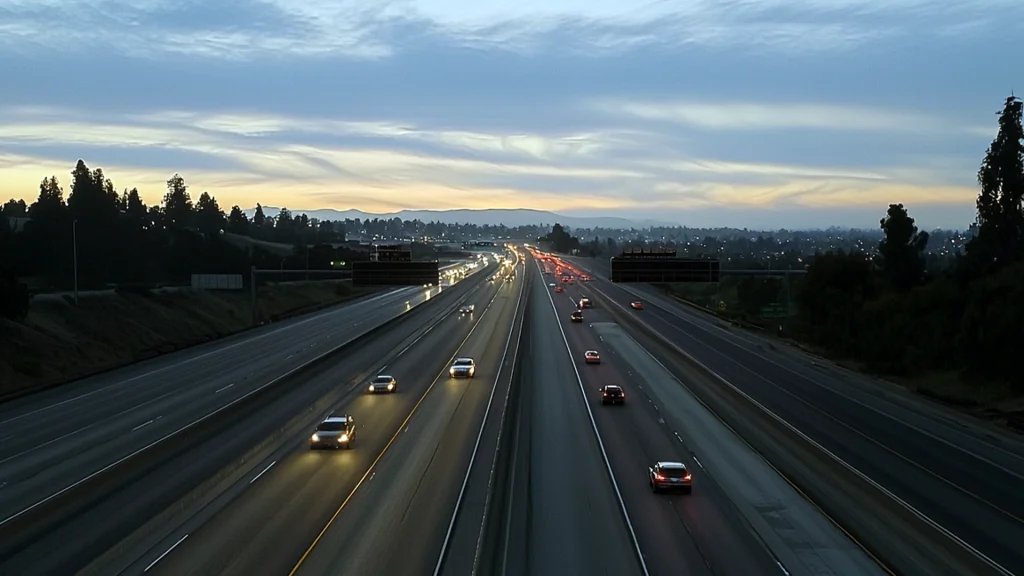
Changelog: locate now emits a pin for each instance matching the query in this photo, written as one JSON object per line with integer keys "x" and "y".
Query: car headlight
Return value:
{"x": 315, "y": 437}
{"x": 391, "y": 386}
{"x": 371, "y": 387}
{"x": 343, "y": 438}
{"x": 451, "y": 372}
{"x": 471, "y": 371}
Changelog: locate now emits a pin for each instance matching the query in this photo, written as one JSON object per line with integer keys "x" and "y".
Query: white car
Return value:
{"x": 462, "y": 368}
{"x": 384, "y": 383}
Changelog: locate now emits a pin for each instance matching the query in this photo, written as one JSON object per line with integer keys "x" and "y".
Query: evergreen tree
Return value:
{"x": 902, "y": 249}
{"x": 178, "y": 203}
{"x": 259, "y": 219}
{"x": 238, "y": 223}
{"x": 209, "y": 216}
{"x": 1000, "y": 238}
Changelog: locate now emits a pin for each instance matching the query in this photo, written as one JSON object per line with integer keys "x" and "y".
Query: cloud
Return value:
{"x": 672, "y": 109}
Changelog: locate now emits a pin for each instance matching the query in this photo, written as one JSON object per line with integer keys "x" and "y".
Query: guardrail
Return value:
{"x": 19, "y": 530}
{"x": 860, "y": 507}
{"x": 490, "y": 544}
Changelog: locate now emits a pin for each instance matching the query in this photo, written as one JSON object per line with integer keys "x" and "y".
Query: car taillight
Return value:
{"x": 659, "y": 477}
{"x": 687, "y": 477}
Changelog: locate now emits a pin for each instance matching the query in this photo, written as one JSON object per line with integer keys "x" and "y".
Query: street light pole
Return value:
{"x": 74, "y": 241}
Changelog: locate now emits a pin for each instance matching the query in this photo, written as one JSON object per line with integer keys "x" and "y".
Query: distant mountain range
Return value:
{"x": 495, "y": 217}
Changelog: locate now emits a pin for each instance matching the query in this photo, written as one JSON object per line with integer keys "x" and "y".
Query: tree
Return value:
{"x": 1000, "y": 219}
{"x": 178, "y": 203}
{"x": 48, "y": 232}
{"x": 15, "y": 209}
{"x": 209, "y": 216}
{"x": 902, "y": 249}
{"x": 561, "y": 240}
{"x": 238, "y": 223}
{"x": 50, "y": 200}
{"x": 132, "y": 205}
{"x": 259, "y": 220}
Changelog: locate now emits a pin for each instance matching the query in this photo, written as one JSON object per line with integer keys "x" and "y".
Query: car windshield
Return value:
{"x": 463, "y": 362}
{"x": 331, "y": 426}
{"x": 673, "y": 472}
{"x": 612, "y": 390}
{"x": 382, "y": 380}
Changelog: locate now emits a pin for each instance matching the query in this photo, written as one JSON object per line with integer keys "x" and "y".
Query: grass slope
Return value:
{"x": 58, "y": 342}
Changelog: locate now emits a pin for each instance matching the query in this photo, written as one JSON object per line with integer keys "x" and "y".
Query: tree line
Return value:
{"x": 898, "y": 315}
{"x": 897, "y": 308}
{"x": 117, "y": 240}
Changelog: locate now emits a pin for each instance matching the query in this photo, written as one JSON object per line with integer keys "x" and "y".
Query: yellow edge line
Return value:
{"x": 379, "y": 456}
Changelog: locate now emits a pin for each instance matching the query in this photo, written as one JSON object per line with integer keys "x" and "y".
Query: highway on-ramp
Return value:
{"x": 965, "y": 476}
{"x": 382, "y": 507}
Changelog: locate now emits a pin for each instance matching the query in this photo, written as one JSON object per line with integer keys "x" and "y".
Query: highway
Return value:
{"x": 398, "y": 485}
{"x": 201, "y": 380}
{"x": 741, "y": 517}
{"x": 570, "y": 511}
{"x": 50, "y": 440}
{"x": 964, "y": 475}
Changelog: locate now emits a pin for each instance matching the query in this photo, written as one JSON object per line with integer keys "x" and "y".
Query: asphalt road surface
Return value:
{"x": 574, "y": 522}
{"x": 966, "y": 476}
{"x": 380, "y": 508}
{"x": 128, "y": 507}
{"x": 51, "y": 440}
{"x": 742, "y": 518}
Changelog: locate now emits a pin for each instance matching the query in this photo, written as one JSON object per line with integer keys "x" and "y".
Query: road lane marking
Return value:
{"x": 166, "y": 552}
{"x": 371, "y": 470}
{"x": 224, "y": 388}
{"x": 849, "y": 467}
{"x": 479, "y": 436}
{"x": 600, "y": 443}
{"x": 80, "y": 430}
{"x": 47, "y": 443}
{"x": 269, "y": 466}
{"x": 149, "y": 446}
{"x": 698, "y": 325}
{"x": 881, "y": 445}
{"x": 144, "y": 424}
{"x": 193, "y": 359}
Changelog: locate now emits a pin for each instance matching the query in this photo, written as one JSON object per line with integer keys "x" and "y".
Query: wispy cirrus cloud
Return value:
{"x": 730, "y": 110}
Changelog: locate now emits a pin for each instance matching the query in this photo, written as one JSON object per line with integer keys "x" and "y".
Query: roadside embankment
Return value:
{"x": 59, "y": 342}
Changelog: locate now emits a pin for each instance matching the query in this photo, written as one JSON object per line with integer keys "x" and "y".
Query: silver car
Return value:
{"x": 462, "y": 368}
{"x": 333, "y": 432}
{"x": 384, "y": 383}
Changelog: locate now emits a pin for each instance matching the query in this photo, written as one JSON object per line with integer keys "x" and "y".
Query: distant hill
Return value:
{"x": 508, "y": 217}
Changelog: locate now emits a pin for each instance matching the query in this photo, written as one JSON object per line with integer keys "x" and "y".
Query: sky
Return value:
{"x": 759, "y": 114}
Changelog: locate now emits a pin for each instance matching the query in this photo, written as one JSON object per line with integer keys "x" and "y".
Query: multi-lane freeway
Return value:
{"x": 199, "y": 462}
{"x": 965, "y": 476}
